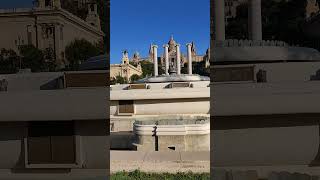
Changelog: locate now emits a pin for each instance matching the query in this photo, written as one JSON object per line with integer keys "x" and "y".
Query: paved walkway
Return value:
{"x": 157, "y": 161}
{"x": 264, "y": 171}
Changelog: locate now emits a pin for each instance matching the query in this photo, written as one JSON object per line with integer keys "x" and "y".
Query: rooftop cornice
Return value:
{"x": 45, "y": 11}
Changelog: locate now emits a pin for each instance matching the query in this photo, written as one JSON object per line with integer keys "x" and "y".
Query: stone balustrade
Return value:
{"x": 15, "y": 10}
{"x": 246, "y": 42}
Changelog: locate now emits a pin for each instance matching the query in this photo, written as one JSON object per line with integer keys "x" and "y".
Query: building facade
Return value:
{"x": 172, "y": 53}
{"x": 125, "y": 69}
{"x": 83, "y": 3}
{"x": 48, "y": 27}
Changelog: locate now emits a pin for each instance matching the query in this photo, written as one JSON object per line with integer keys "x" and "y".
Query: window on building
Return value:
{"x": 126, "y": 107}
{"x": 51, "y": 143}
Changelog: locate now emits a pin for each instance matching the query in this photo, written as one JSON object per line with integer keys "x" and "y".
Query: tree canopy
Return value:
{"x": 9, "y": 61}
{"x": 32, "y": 58}
{"x": 134, "y": 77}
{"x": 79, "y": 51}
{"x": 118, "y": 80}
{"x": 280, "y": 20}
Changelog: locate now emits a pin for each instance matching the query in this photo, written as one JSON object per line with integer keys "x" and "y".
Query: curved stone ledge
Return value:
{"x": 174, "y": 78}
{"x": 171, "y": 130}
{"x": 173, "y": 125}
{"x": 181, "y": 133}
{"x": 265, "y": 53}
{"x": 178, "y": 93}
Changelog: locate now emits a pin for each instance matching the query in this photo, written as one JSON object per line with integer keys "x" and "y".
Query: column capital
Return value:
{"x": 188, "y": 44}
{"x": 154, "y": 46}
{"x": 165, "y": 45}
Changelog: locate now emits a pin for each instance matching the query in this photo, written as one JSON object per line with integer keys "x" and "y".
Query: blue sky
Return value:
{"x": 137, "y": 23}
{"x": 15, "y": 3}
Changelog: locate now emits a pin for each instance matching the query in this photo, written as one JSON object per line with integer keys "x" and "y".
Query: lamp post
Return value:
{"x": 18, "y": 44}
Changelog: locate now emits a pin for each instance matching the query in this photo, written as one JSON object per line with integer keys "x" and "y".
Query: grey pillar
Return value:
{"x": 155, "y": 59}
{"x": 166, "y": 58}
{"x": 178, "y": 59}
{"x": 218, "y": 20}
{"x": 255, "y": 25}
{"x": 189, "y": 59}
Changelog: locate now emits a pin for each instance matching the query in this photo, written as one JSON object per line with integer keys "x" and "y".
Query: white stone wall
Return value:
{"x": 277, "y": 146}
{"x": 167, "y": 106}
{"x": 173, "y": 106}
{"x": 284, "y": 72}
{"x": 92, "y": 134}
{"x": 11, "y": 144}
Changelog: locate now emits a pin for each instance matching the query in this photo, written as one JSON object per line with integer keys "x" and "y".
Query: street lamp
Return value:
{"x": 18, "y": 44}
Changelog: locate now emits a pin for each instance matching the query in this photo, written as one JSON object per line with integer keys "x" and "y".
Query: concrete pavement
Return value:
{"x": 156, "y": 161}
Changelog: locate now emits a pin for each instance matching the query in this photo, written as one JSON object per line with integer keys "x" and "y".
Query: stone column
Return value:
{"x": 155, "y": 59}
{"x": 178, "y": 59}
{"x": 166, "y": 58}
{"x": 255, "y": 25}
{"x": 218, "y": 20}
{"x": 189, "y": 59}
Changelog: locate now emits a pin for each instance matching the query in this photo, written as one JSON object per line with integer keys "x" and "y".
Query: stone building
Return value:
{"x": 125, "y": 69}
{"x": 47, "y": 26}
{"x": 172, "y": 53}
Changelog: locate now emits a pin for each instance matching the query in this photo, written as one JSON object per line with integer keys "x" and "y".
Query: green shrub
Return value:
{"x": 137, "y": 175}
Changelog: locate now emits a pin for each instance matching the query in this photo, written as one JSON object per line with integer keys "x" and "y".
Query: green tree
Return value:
{"x": 197, "y": 68}
{"x": 134, "y": 77}
{"x": 119, "y": 79}
{"x": 237, "y": 27}
{"x": 9, "y": 61}
{"x": 104, "y": 15}
{"x": 147, "y": 68}
{"x": 32, "y": 57}
{"x": 280, "y": 20}
{"x": 79, "y": 51}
